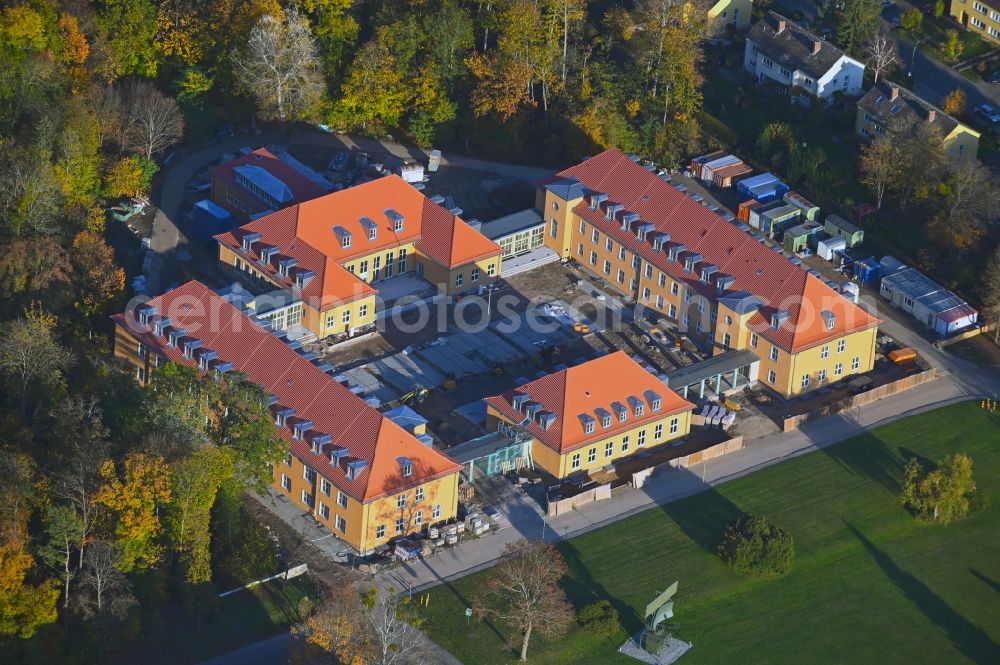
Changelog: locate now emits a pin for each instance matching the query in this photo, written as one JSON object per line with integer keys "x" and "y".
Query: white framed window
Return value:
{"x": 625, "y": 442}
{"x": 609, "y": 244}
{"x": 363, "y": 312}
{"x": 288, "y": 459}
{"x": 641, "y": 438}
{"x": 401, "y": 501}
{"x": 838, "y": 369}
{"x": 575, "y": 461}
{"x": 674, "y": 288}
{"x": 345, "y": 318}
{"x": 324, "y": 486}
{"x": 400, "y": 525}
{"x": 805, "y": 380}
{"x": 418, "y": 495}
{"x": 491, "y": 270}
{"x": 607, "y": 267}
{"x": 675, "y": 425}
{"x": 771, "y": 376}
{"x": 324, "y": 510}
{"x": 588, "y": 428}
{"x": 580, "y": 250}
{"x": 593, "y": 258}
{"x": 418, "y": 517}
{"x": 824, "y": 353}
{"x": 591, "y": 455}
{"x": 856, "y": 364}
{"x": 341, "y": 524}
{"x": 308, "y": 473}
{"x": 774, "y": 353}
{"x": 606, "y": 421}
{"x": 841, "y": 345}
{"x": 672, "y": 311}
{"x": 658, "y": 432}
{"x": 380, "y": 531}
{"x": 474, "y": 277}
{"x": 342, "y": 499}
{"x": 555, "y": 206}
{"x": 621, "y": 252}
{"x": 436, "y": 511}
{"x": 753, "y": 340}
{"x": 583, "y": 227}
{"x": 595, "y": 236}
{"x": 609, "y": 449}
{"x": 286, "y": 482}
{"x": 459, "y": 279}
{"x": 307, "y": 498}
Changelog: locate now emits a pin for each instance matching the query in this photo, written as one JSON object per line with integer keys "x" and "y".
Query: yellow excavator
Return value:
{"x": 415, "y": 396}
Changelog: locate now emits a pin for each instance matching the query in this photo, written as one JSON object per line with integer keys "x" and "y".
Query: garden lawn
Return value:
{"x": 870, "y": 584}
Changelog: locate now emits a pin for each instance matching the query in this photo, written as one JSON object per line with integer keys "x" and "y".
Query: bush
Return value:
{"x": 754, "y": 546}
{"x": 941, "y": 495}
{"x": 600, "y": 619}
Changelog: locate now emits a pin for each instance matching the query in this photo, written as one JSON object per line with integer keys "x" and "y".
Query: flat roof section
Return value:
{"x": 512, "y": 223}
{"x": 710, "y": 368}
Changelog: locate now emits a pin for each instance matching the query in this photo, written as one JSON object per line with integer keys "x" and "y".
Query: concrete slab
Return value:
{"x": 407, "y": 284}
{"x": 372, "y": 386}
{"x": 494, "y": 348}
{"x": 450, "y": 360}
{"x": 474, "y": 412}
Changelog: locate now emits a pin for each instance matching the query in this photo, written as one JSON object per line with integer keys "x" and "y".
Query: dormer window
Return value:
{"x": 655, "y": 401}
{"x": 620, "y": 409}
{"x": 778, "y": 319}
{"x": 370, "y": 227}
{"x": 605, "y": 417}
{"x": 282, "y": 416}
{"x": 395, "y": 219}
{"x": 405, "y": 467}
{"x": 638, "y": 408}
{"x": 248, "y": 240}
{"x": 829, "y": 319}
{"x": 589, "y": 424}
{"x": 344, "y": 235}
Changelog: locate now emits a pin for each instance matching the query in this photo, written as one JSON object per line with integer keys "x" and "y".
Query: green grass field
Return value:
{"x": 870, "y": 585}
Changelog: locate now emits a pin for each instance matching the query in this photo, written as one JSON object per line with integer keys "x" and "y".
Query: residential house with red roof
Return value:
{"x": 704, "y": 275}
{"x": 331, "y": 252}
{"x": 353, "y": 469}
{"x": 593, "y": 414}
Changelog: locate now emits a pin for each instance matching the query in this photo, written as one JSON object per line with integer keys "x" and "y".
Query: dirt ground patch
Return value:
{"x": 980, "y": 349}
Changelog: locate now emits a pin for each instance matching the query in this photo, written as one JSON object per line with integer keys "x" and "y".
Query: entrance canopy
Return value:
{"x": 718, "y": 375}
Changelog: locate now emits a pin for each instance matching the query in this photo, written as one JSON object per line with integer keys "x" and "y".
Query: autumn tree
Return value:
{"x": 953, "y": 46}
{"x": 100, "y": 279}
{"x": 241, "y": 422}
{"x": 523, "y": 592}
{"x": 911, "y": 20}
{"x": 990, "y": 286}
{"x": 134, "y": 499}
{"x": 34, "y": 269}
{"x": 501, "y": 85}
{"x": 30, "y": 354}
{"x": 279, "y": 67}
{"x": 335, "y": 27}
{"x": 130, "y": 26}
{"x": 376, "y": 91}
{"x": 24, "y": 607}
{"x": 940, "y": 495}
{"x": 881, "y": 53}
{"x": 878, "y": 167}
{"x": 370, "y": 627}
{"x": 954, "y": 102}
{"x": 194, "y": 482}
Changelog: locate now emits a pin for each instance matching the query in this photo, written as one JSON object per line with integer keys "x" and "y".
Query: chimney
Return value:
{"x": 893, "y": 93}
{"x": 817, "y": 45}
{"x": 931, "y": 115}
{"x": 780, "y": 28}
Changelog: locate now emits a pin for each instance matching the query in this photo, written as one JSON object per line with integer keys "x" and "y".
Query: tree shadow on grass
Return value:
{"x": 582, "y": 589}
{"x": 867, "y": 455}
{"x": 968, "y": 638}
{"x": 704, "y": 516}
{"x": 993, "y": 584}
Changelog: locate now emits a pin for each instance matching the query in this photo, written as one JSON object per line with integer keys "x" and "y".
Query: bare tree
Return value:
{"x": 153, "y": 121}
{"x": 878, "y": 167}
{"x": 882, "y": 53}
{"x": 279, "y": 67}
{"x": 29, "y": 351}
{"x": 29, "y": 193}
{"x": 396, "y": 639}
{"x": 104, "y": 589}
{"x": 524, "y": 593}
{"x": 972, "y": 188}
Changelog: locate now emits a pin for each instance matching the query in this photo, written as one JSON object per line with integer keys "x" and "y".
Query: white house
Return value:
{"x": 779, "y": 50}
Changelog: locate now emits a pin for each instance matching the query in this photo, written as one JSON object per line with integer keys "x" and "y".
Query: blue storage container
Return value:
{"x": 210, "y": 219}
{"x": 867, "y": 270}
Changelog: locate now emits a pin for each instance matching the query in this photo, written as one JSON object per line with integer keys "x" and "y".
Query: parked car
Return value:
{"x": 994, "y": 78}
{"x": 988, "y": 113}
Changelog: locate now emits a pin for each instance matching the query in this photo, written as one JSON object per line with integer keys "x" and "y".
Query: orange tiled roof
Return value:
{"x": 299, "y": 384}
{"x": 609, "y": 383}
{"x": 766, "y": 274}
{"x": 312, "y": 233}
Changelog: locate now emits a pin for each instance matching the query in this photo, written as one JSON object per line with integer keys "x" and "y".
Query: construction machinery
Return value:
{"x": 415, "y": 396}
{"x": 449, "y": 382}
{"x": 498, "y": 368}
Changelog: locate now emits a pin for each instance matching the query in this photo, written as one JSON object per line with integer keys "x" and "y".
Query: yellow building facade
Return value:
{"x": 979, "y": 16}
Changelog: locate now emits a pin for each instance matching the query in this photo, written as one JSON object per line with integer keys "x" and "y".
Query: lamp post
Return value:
{"x": 913, "y": 56}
